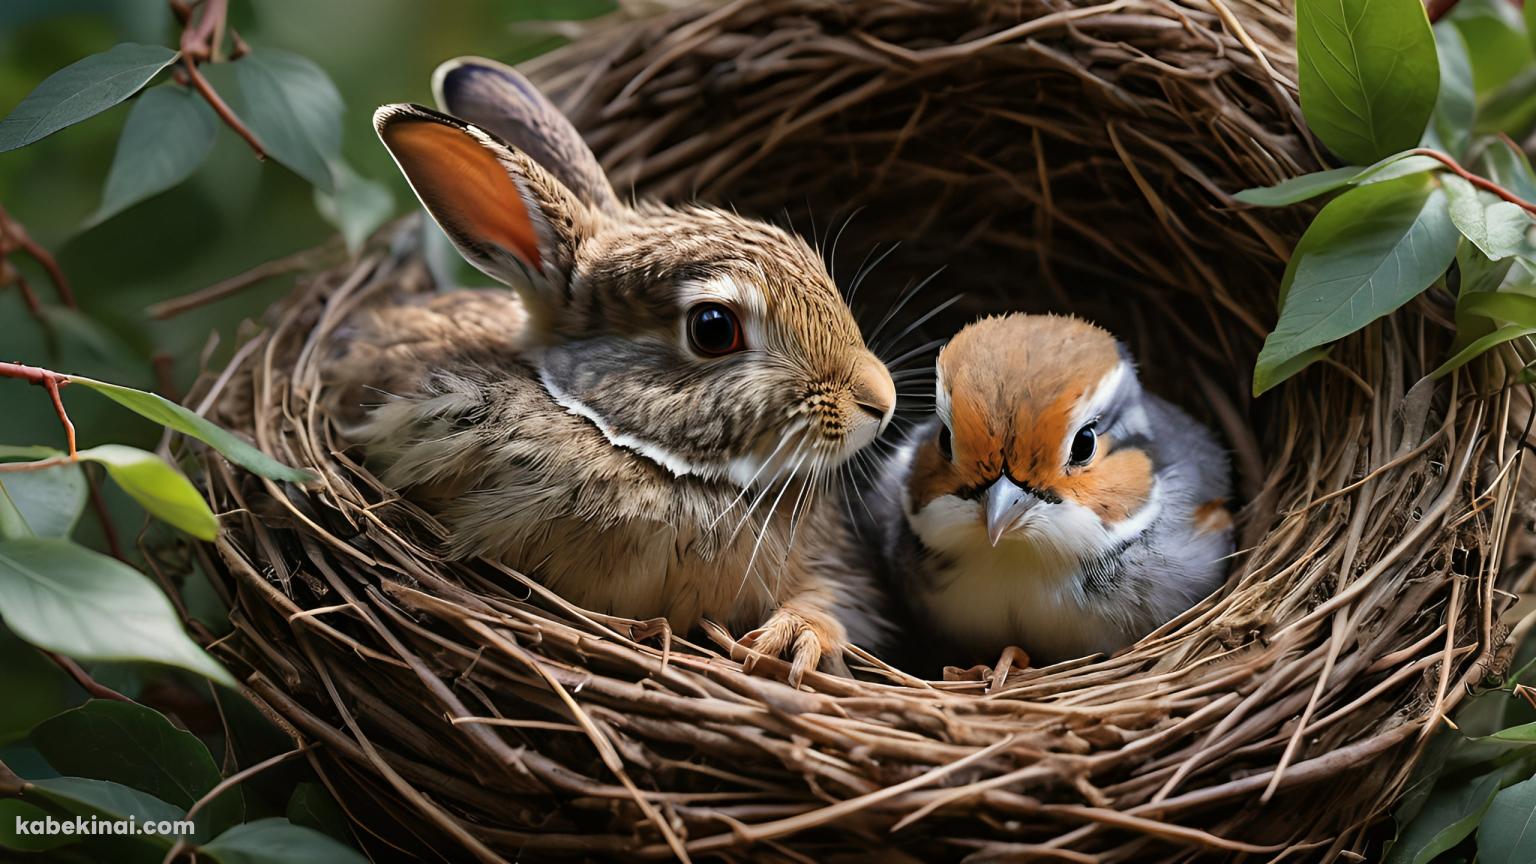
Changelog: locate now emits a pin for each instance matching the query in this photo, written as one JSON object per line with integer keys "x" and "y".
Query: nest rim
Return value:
{"x": 574, "y": 733}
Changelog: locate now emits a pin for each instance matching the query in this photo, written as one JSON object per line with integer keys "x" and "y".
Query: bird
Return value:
{"x": 645, "y": 417}
{"x": 1050, "y": 503}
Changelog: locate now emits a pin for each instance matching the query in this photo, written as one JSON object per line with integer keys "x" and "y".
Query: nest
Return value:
{"x": 1053, "y": 155}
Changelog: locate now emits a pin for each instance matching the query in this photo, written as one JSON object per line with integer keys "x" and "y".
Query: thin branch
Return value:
{"x": 221, "y": 108}
{"x": 52, "y": 385}
{"x": 39, "y": 465}
{"x": 91, "y": 686}
{"x": 104, "y": 518}
{"x": 200, "y": 35}
{"x": 14, "y": 236}
{"x": 294, "y": 263}
{"x": 224, "y": 785}
{"x": 1480, "y": 182}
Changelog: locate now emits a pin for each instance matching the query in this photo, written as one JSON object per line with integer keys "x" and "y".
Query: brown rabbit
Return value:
{"x": 649, "y": 423}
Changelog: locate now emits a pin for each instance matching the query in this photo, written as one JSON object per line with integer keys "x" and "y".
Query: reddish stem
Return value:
{"x": 29, "y": 297}
{"x": 103, "y": 518}
{"x": 38, "y": 465}
{"x": 91, "y": 686}
{"x": 13, "y": 235}
{"x": 52, "y": 385}
{"x": 201, "y": 31}
{"x": 221, "y": 108}
{"x": 1480, "y": 182}
{"x": 51, "y": 381}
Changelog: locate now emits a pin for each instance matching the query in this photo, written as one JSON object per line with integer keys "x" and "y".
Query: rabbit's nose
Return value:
{"x": 874, "y": 391}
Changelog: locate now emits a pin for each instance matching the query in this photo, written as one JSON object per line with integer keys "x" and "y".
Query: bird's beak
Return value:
{"x": 1006, "y": 505}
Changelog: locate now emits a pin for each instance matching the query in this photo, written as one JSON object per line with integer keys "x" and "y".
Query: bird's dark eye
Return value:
{"x": 1084, "y": 444}
{"x": 713, "y": 330}
{"x": 946, "y": 446}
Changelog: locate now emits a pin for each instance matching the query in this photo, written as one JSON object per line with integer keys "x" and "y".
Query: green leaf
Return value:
{"x": 12, "y": 811}
{"x": 358, "y": 206}
{"x": 1508, "y": 831}
{"x": 63, "y": 597}
{"x": 127, "y": 743}
{"x": 1456, "y": 106}
{"x": 1478, "y": 274}
{"x": 1368, "y": 74}
{"x": 111, "y": 802}
{"x": 1307, "y": 186}
{"x": 1530, "y": 25}
{"x": 82, "y": 89}
{"x": 1498, "y": 228}
{"x": 1449, "y": 816}
{"x": 292, "y": 106}
{"x": 278, "y": 841}
{"x": 1421, "y": 782}
{"x": 43, "y": 503}
{"x": 1499, "y": 48}
{"x": 1511, "y": 109}
{"x": 168, "y": 413}
{"x": 1508, "y": 167}
{"x": 1480, "y": 346}
{"x": 1522, "y": 734}
{"x": 169, "y": 133}
{"x": 311, "y": 806}
{"x": 162, "y": 490}
{"x": 1501, "y": 306}
{"x": 104, "y": 799}
{"x": 1368, "y": 252}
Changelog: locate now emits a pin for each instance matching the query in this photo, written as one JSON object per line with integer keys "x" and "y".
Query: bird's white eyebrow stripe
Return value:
{"x": 1101, "y": 396}
{"x": 941, "y": 403}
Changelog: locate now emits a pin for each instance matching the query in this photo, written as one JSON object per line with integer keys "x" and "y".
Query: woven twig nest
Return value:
{"x": 1053, "y": 154}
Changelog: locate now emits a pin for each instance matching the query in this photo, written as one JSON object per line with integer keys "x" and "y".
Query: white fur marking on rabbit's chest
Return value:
{"x": 679, "y": 466}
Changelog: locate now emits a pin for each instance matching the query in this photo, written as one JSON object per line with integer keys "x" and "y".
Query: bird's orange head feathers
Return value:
{"x": 1015, "y": 394}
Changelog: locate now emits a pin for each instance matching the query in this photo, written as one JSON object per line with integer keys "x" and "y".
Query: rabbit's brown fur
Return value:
{"x": 571, "y": 431}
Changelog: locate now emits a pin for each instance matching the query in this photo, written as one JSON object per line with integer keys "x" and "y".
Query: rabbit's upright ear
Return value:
{"x": 507, "y": 215}
{"x": 499, "y": 99}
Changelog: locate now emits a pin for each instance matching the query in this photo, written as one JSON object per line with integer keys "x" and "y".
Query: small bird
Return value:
{"x": 1051, "y": 503}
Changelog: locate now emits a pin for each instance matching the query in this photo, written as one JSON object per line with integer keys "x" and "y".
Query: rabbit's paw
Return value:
{"x": 810, "y": 637}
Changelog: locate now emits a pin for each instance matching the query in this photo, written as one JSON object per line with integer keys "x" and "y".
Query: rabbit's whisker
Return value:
{"x": 766, "y": 524}
{"x": 788, "y": 436}
{"x": 836, "y": 238}
{"x": 916, "y": 352}
{"x": 806, "y": 497}
{"x": 901, "y": 302}
{"x": 867, "y": 267}
{"x": 767, "y": 488}
{"x": 924, "y": 319}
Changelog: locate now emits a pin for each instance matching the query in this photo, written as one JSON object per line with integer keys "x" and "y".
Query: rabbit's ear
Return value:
{"x": 506, "y": 215}
{"x": 499, "y": 99}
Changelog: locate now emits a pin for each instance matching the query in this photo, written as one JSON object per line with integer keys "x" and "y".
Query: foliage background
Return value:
{"x": 235, "y": 213}
{"x": 232, "y": 214}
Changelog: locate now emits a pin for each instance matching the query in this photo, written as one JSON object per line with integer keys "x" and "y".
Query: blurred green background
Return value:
{"x": 234, "y": 213}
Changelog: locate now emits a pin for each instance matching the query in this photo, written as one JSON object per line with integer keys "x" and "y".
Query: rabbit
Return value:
{"x": 647, "y": 423}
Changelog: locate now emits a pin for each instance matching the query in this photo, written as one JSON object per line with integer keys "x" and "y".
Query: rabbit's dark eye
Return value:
{"x": 713, "y": 330}
{"x": 1084, "y": 444}
{"x": 946, "y": 443}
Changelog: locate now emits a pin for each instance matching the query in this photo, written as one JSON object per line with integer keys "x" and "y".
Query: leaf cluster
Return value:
{"x": 1436, "y": 193}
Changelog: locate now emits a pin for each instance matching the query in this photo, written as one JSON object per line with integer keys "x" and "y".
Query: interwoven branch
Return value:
{"x": 1054, "y": 155}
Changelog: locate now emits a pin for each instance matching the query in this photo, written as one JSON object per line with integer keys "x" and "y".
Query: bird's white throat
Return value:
{"x": 1031, "y": 581}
